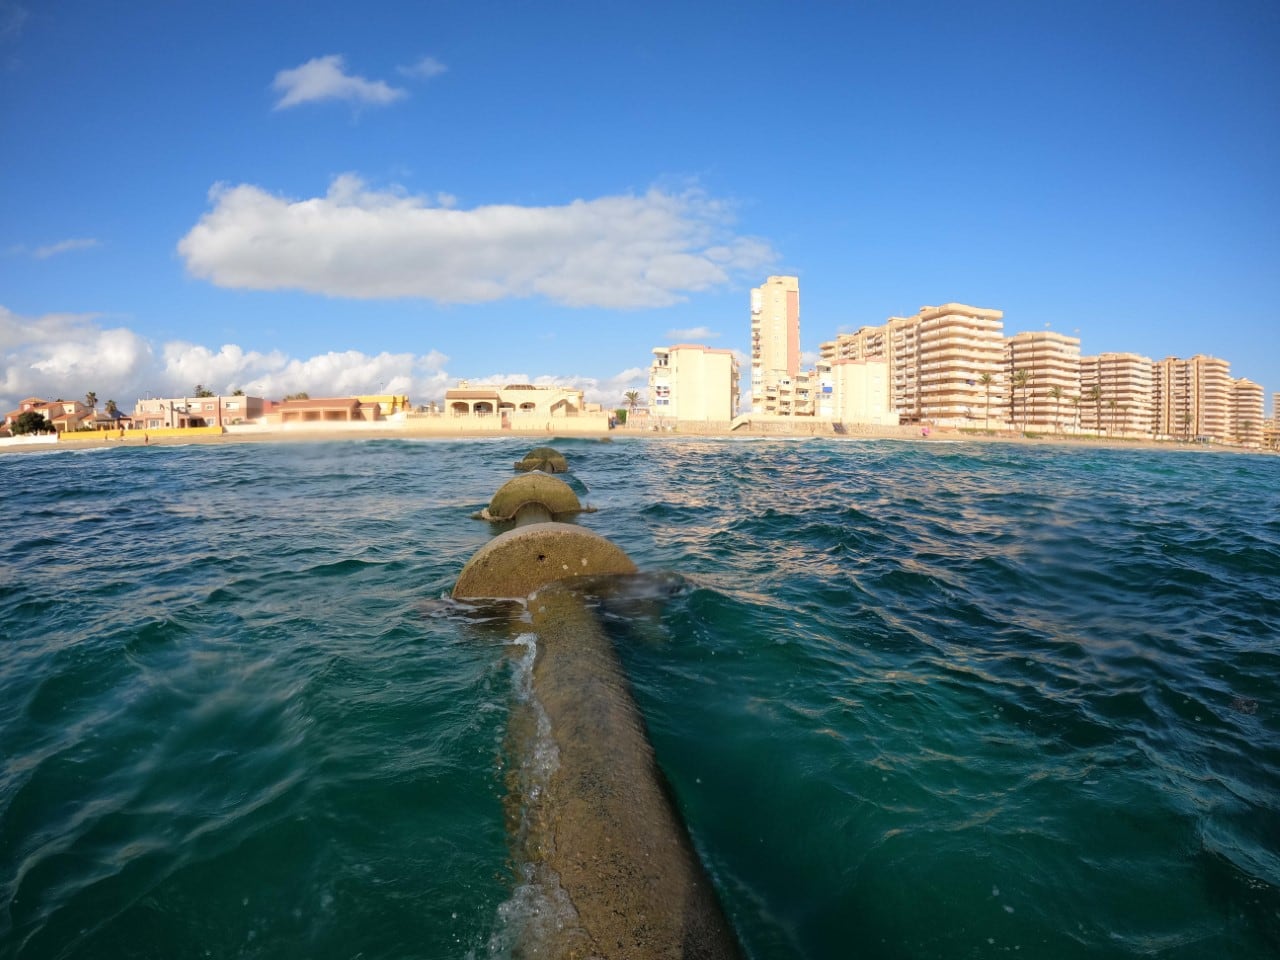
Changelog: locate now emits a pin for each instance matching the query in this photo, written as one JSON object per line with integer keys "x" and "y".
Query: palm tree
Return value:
{"x": 1186, "y": 426}
{"x": 632, "y": 397}
{"x": 1021, "y": 378}
{"x": 986, "y": 380}
{"x": 1075, "y": 416}
{"x": 1111, "y": 405}
{"x": 91, "y": 401}
{"x": 1056, "y": 393}
{"x": 1095, "y": 394}
{"x": 111, "y": 408}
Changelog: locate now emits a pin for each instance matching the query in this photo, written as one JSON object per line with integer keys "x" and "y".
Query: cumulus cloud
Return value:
{"x": 692, "y": 334}
{"x": 626, "y": 251}
{"x": 325, "y": 78}
{"x": 67, "y": 355}
{"x": 64, "y": 246}
{"x": 608, "y": 390}
{"x": 424, "y": 69}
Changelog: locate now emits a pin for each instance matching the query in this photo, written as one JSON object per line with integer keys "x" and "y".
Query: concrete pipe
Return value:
{"x": 601, "y": 831}
{"x": 546, "y": 459}
{"x": 533, "y": 498}
{"x": 518, "y": 562}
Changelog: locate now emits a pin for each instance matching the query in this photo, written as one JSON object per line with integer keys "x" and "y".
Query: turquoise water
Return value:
{"x": 914, "y": 700}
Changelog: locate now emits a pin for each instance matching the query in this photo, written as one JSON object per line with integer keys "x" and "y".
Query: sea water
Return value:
{"x": 913, "y": 699}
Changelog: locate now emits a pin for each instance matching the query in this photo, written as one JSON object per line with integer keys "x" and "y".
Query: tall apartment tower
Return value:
{"x": 1193, "y": 397}
{"x": 1052, "y": 364}
{"x": 1117, "y": 393}
{"x": 775, "y": 342}
{"x": 1246, "y": 411}
{"x": 939, "y": 358}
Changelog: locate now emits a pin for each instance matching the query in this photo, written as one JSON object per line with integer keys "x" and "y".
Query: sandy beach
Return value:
{"x": 430, "y": 430}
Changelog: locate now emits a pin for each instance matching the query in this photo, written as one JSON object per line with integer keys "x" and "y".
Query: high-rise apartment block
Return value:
{"x": 1246, "y": 411}
{"x": 693, "y": 382}
{"x": 936, "y": 361}
{"x": 775, "y": 346}
{"x": 939, "y": 358}
{"x": 1192, "y": 397}
{"x": 1117, "y": 393}
{"x": 1042, "y": 375}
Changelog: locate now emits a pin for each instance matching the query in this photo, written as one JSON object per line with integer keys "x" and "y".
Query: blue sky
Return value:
{"x": 345, "y": 197}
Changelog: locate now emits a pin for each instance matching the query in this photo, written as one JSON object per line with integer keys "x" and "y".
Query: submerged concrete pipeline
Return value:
{"x": 601, "y": 830}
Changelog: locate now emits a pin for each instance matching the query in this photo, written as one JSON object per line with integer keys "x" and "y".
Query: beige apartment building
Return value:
{"x": 1042, "y": 376}
{"x": 1117, "y": 393}
{"x": 935, "y": 362}
{"x": 1247, "y": 411}
{"x": 693, "y": 382}
{"x": 775, "y": 346}
{"x": 1271, "y": 427}
{"x": 860, "y": 392}
{"x": 939, "y": 358}
{"x": 157, "y": 413}
{"x": 867, "y": 343}
{"x": 1192, "y": 397}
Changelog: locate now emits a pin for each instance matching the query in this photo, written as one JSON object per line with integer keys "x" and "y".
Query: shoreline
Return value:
{"x": 411, "y": 431}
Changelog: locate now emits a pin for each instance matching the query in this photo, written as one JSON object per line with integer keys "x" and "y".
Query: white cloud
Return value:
{"x": 64, "y": 246}
{"x": 67, "y": 355}
{"x": 325, "y": 78}
{"x": 425, "y": 68}
{"x": 622, "y": 251}
{"x": 808, "y": 358}
{"x": 607, "y": 391}
{"x": 692, "y": 334}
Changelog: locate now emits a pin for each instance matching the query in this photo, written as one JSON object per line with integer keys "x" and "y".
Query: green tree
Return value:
{"x": 111, "y": 408}
{"x": 1075, "y": 416}
{"x": 31, "y": 421}
{"x": 986, "y": 380}
{"x": 91, "y": 401}
{"x": 1021, "y": 381}
{"x": 237, "y": 392}
{"x": 301, "y": 395}
{"x": 202, "y": 392}
{"x": 1095, "y": 395}
{"x": 1056, "y": 393}
{"x": 632, "y": 397}
{"x": 1111, "y": 405}
{"x": 1186, "y": 426}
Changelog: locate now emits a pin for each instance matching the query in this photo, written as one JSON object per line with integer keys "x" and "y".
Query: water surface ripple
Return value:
{"x": 914, "y": 699}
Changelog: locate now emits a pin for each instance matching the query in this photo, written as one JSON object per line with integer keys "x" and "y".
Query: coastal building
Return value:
{"x": 789, "y": 396}
{"x": 1192, "y": 397}
{"x": 1271, "y": 427}
{"x": 156, "y": 413}
{"x": 860, "y": 392}
{"x": 1042, "y": 375}
{"x": 328, "y": 410}
{"x": 1246, "y": 411}
{"x": 940, "y": 357}
{"x": 1117, "y": 393}
{"x": 512, "y": 400}
{"x": 63, "y": 414}
{"x": 775, "y": 345}
{"x": 389, "y": 404}
{"x": 689, "y": 381}
{"x": 866, "y": 343}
